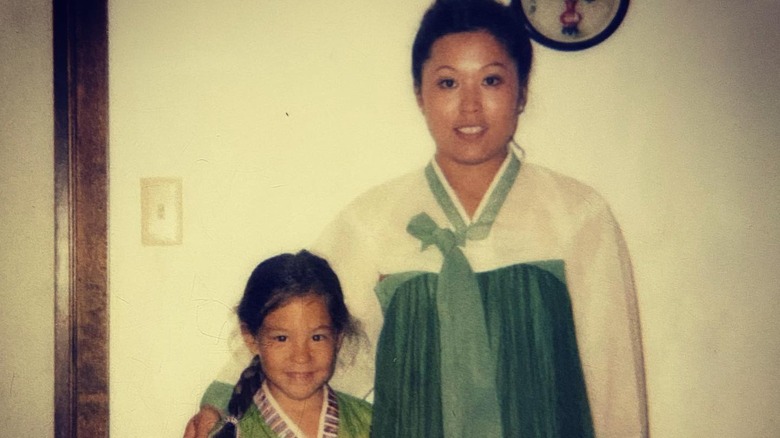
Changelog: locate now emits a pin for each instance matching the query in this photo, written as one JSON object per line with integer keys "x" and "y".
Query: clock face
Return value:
{"x": 571, "y": 24}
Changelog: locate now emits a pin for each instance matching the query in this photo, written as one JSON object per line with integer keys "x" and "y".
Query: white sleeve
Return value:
{"x": 600, "y": 278}
{"x": 348, "y": 244}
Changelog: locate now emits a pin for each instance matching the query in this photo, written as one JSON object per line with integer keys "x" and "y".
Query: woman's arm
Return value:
{"x": 604, "y": 299}
{"x": 202, "y": 423}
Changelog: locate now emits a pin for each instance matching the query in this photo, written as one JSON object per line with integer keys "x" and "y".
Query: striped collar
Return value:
{"x": 284, "y": 427}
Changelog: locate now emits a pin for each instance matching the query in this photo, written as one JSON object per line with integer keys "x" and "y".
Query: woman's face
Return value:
{"x": 470, "y": 96}
{"x": 297, "y": 345}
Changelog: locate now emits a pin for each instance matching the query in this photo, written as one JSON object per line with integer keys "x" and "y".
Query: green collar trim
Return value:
{"x": 480, "y": 228}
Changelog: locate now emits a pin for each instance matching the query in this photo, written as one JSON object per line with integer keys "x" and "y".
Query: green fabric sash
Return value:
{"x": 468, "y": 360}
{"x": 468, "y": 363}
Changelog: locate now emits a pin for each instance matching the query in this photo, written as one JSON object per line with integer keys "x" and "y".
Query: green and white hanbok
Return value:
{"x": 519, "y": 322}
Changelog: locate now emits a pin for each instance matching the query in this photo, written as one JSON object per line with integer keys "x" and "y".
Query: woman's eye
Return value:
{"x": 446, "y": 83}
{"x": 280, "y": 338}
{"x": 319, "y": 338}
{"x": 492, "y": 81}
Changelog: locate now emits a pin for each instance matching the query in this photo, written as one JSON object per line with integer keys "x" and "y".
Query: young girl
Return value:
{"x": 293, "y": 318}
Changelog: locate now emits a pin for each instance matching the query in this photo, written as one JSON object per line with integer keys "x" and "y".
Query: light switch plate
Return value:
{"x": 161, "y": 211}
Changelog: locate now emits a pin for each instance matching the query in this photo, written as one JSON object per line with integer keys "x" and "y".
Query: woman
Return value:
{"x": 498, "y": 294}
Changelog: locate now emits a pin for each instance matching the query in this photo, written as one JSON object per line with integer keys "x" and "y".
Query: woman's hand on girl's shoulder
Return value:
{"x": 201, "y": 424}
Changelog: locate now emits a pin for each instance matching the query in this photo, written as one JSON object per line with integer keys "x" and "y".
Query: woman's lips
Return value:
{"x": 470, "y": 133}
{"x": 470, "y": 130}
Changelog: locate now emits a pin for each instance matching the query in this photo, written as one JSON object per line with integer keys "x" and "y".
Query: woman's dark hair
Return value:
{"x": 270, "y": 286}
{"x": 446, "y": 17}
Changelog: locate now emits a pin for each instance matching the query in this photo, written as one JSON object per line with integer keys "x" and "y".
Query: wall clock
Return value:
{"x": 571, "y": 24}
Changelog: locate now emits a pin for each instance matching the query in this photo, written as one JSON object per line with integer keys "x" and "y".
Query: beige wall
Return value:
{"x": 275, "y": 114}
{"x": 26, "y": 220}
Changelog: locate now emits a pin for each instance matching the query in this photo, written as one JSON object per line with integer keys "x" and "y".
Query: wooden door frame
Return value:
{"x": 80, "y": 76}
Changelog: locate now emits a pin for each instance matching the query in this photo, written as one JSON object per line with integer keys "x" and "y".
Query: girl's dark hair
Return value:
{"x": 446, "y": 17}
{"x": 270, "y": 286}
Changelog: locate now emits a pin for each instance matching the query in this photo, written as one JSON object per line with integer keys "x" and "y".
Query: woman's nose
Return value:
{"x": 470, "y": 99}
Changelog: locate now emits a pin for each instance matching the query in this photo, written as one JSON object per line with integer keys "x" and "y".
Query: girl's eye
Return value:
{"x": 446, "y": 83}
{"x": 492, "y": 81}
{"x": 319, "y": 337}
{"x": 280, "y": 338}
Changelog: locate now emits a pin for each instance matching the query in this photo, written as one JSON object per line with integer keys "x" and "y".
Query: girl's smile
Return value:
{"x": 297, "y": 345}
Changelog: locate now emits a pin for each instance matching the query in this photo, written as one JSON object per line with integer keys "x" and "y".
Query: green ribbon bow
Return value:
{"x": 468, "y": 374}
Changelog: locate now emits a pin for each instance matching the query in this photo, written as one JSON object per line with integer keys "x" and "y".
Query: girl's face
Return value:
{"x": 297, "y": 345}
{"x": 470, "y": 96}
